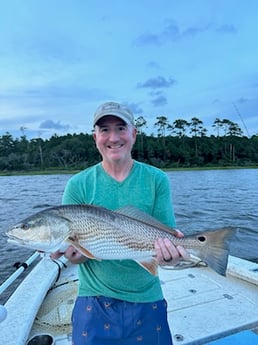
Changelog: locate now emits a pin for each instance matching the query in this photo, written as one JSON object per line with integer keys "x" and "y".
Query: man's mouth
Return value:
{"x": 115, "y": 147}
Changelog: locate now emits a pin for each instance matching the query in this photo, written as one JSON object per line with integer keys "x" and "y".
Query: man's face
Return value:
{"x": 114, "y": 138}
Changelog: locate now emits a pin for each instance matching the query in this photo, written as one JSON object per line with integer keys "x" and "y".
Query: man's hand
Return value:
{"x": 168, "y": 253}
{"x": 71, "y": 254}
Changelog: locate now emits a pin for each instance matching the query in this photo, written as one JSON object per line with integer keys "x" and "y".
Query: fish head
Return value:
{"x": 43, "y": 231}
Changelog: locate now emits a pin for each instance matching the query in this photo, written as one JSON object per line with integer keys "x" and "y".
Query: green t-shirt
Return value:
{"x": 146, "y": 188}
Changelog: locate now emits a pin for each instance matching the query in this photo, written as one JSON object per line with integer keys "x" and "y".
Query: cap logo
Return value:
{"x": 111, "y": 106}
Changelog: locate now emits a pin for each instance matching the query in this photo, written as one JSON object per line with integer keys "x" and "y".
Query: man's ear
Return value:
{"x": 134, "y": 134}
{"x": 94, "y": 136}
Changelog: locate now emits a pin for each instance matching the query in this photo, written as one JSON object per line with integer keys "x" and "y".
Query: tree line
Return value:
{"x": 177, "y": 144}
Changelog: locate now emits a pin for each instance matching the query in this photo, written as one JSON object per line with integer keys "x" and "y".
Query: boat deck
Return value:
{"x": 203, "y": 306}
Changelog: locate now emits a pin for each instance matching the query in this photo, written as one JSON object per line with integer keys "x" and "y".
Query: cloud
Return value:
{"x": 194, "y": 31}
{"x": 159, "y": 101}
{"x": 172, "y": 33}
{"x": 157, "y": 83}
{"x": 153, "y": 64}
{"x": 135, "y": 108}
{"x": 148, "y": 39}
{"x": 242, "y": 100}
{"x": 49, "y": 124}
{"x": 227, "y": 29}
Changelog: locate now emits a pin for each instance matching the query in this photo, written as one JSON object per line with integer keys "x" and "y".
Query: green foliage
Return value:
{"x": 182, "y": 144}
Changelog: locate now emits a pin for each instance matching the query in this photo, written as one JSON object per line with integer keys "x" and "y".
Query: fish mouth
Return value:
{"x": 44, "y": 247}
{"x": 14, "y": 240}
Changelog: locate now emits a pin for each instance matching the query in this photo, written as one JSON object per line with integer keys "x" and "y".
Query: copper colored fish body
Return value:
{"x": 101, "y": 234}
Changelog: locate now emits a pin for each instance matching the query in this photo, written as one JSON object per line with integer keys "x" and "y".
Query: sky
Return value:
{"x": 60, "y": 59}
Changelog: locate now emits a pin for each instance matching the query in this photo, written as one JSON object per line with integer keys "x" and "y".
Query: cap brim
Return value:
{"x": 100, "y": 116}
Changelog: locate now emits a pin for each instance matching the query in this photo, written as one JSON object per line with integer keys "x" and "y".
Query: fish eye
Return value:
{"x": 202, "y": 238}
{"x": 25, "y": 226}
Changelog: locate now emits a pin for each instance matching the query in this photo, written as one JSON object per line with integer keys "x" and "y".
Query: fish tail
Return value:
{"x": 216, "y": 251}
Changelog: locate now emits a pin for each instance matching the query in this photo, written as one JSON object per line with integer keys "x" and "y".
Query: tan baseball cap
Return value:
{"x": 115, "y": 109}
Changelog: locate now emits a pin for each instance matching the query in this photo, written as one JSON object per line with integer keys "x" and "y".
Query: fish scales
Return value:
{"x": 123, "y": 235}
{"x": 100, "y": 233}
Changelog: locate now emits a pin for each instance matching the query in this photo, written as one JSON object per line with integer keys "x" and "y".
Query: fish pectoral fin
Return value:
{"x": 81, "y": 249}
{"x": 149, "y": 265}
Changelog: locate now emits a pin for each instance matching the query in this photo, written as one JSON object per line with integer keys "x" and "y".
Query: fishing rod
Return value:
{"x": 241, "y": 118}
{"x": 15, "y": 275}
{"x": 21, "y": 268}
{"x": 61, "y": 263}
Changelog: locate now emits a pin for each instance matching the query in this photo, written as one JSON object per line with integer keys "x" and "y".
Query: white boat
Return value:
{"x": 203, "y": 306}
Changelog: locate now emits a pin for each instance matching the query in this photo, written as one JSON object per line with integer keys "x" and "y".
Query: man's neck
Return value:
{"x": 118, "y": 170}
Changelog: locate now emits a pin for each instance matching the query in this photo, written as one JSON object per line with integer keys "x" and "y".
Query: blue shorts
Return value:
{"x": 108, "y": 321}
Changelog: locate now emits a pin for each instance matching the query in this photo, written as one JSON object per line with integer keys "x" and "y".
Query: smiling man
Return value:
{"x": 119, "y": 301}
{"x": 115, "y": 136}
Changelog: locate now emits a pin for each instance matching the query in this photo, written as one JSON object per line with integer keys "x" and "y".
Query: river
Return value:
{"x": 203, "y": 200}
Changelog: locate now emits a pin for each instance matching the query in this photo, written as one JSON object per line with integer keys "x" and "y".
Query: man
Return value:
{"x": 119, "y": 302}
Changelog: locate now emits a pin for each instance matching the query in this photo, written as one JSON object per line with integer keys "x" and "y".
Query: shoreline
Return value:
{"x": 74, "y": 171}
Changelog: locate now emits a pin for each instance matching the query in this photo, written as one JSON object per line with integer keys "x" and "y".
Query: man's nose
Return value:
{"x": 114, "y": 135}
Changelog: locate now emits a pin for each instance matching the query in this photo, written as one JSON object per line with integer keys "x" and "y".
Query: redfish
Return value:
{"x": 102, "y": 234}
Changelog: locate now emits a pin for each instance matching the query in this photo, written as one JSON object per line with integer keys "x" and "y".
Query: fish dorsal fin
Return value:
{"x": 134, "y": 212}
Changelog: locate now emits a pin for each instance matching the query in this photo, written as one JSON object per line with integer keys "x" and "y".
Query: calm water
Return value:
{"x": 203, "y": 200}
